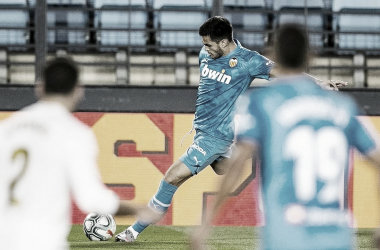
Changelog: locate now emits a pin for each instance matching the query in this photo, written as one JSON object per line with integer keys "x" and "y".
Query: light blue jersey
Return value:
{"x": 222, "y": 81}
{"x": 305, "y": 134}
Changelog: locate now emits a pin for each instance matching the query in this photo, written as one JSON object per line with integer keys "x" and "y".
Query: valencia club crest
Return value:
{"x": 233, "y": 62}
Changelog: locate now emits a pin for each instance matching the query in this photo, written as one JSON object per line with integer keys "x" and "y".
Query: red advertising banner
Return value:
{"x": 136, "y": 149}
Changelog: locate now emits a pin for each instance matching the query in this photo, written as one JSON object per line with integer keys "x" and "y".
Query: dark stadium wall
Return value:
{"x": 149, "y": 99}
{"x": 113, "y": 99}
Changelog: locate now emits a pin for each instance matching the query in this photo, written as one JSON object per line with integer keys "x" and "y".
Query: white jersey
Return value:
{"x": 47, "y": 156}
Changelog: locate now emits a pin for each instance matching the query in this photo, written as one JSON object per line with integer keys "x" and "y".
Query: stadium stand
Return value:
{"x": 117, "y": 14}
{"x": 310, "y": 15}
{"x": 249, "y": 20}
{"x": 177, "y": 24}
{"x": 14, "y": 22}
{"x": 357, "y": 25}
{"x": 156, "y": 42}
{"x": 67, "y": 26}
{"x": 67, "y": 23}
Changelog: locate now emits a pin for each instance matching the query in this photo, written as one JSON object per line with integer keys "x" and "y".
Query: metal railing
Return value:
{"x": 39, "y": 29}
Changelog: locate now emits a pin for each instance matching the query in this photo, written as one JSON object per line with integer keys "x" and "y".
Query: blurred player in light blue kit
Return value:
{"x": 302, "y": 134}
{"x": 226, "y": 71}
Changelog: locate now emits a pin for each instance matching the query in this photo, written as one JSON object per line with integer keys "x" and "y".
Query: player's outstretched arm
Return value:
{"x": 328, "y": 84}
{"x": 325, "y": 84}
{"x": 244, "y": 151}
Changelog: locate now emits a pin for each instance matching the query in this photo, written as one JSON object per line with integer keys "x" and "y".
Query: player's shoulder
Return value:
{"x": 276, "y": 90}
{"x": 249, "y": 56}
{"x": 76, "y": 135}
{"x": 343, "y": 99}
{"x": 58, "y": 116}
{"x": 58, "y": 119}
{"x": 17, "y": 117}
{"x": 77, "y": 126}
{"x": 203, "y": 53}
{"x": 6, "y": 123}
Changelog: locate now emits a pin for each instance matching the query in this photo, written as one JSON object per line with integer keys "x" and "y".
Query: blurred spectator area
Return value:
{"x": 156, "y": 42}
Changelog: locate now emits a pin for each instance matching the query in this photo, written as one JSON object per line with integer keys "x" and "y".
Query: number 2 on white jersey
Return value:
{"x": 20, "y": 162}
{"x": 318, "y": 155}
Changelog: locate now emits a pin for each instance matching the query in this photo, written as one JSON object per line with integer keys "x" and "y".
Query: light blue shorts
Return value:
{"x": 204, "y": 151}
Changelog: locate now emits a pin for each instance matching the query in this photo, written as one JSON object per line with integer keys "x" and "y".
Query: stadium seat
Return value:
{"x": 248, "y": 20}
{"x": 79, "y": 2}
{"x": 159, "y": 3}
{"x": 100, "y": 3}
{"x": 177, "y": 25}
{"x": 278, "y": 4}
{"x": 355, "y": 4}
{"x": 118, "y": 15}
{"x": 62, "y": 17}
{"x": 351, "y": 21}
{"x": 244, "y": 3}
{"x": 16, "y": 2}
{"x": 14, "y": 24}
{"x": 294, "y": 11}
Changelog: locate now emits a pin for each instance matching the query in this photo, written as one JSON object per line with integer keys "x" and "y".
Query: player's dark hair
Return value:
{"x": 217, "y": 28}
{"x": 60, "y": 76}
{"x": 291, "y": 46}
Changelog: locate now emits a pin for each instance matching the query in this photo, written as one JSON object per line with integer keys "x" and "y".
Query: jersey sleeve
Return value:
{"x": 247, "y": 120}
{"x": 202, "y": 54}
{"x": 90, "y": 193}
{"x": 260, "y": 67}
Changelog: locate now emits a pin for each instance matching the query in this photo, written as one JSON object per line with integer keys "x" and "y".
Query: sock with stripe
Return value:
{"x": 160, "y": 202}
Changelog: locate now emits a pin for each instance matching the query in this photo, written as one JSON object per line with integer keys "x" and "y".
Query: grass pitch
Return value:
{"x": 170, "y": 237}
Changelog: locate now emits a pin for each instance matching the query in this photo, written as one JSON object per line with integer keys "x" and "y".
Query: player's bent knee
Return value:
{"x": 177, "y": 174}
{"x": 172, "y": 178}
{"x": 175, "y": 179}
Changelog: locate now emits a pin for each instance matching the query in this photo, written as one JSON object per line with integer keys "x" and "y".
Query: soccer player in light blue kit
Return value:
{"x": 303, "y": 135}
{"x": 227, "y": 70}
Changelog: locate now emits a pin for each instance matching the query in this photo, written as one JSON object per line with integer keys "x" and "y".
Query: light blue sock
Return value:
{"x": 160, "y": 202}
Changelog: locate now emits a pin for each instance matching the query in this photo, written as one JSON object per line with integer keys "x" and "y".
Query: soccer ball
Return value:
{"x": 99, "y": 227}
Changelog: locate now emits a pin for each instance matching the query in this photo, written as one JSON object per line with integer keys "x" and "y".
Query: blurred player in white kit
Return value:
{"x": 47, "y": 156}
